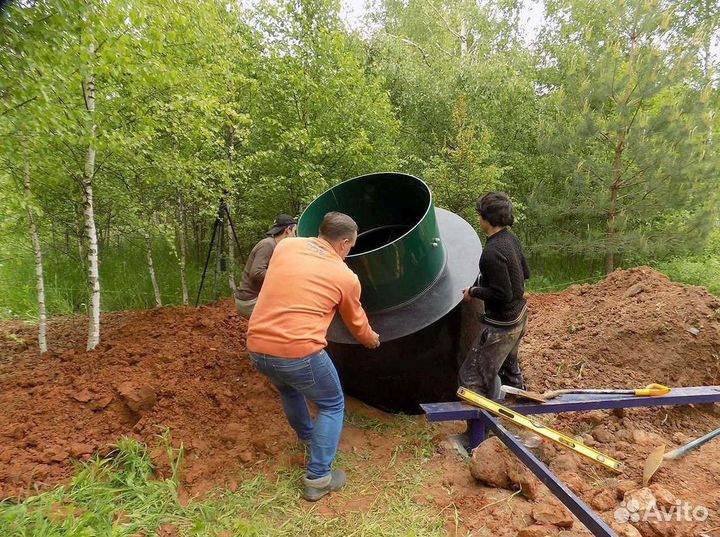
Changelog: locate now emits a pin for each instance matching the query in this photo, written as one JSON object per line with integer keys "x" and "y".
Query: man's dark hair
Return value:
{"x": 496, "y": 208}
{"x": 337, "y": 226}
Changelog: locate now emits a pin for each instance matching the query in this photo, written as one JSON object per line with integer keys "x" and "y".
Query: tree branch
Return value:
{"x": 442, "y": 17}
{"x": 27, "y": 101}
{"x": 413, "y": 44}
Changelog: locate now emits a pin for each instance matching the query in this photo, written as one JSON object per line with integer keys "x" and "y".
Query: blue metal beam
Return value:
{"x": 457, "y": 410}
{"x": 577, "y": 507}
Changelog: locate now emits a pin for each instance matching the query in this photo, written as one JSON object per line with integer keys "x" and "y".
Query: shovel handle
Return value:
{"x": 653, "y": 390}
{"x": 694, "y": 444}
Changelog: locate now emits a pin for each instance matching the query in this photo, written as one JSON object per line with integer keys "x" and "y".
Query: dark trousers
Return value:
{"x": 493, "y": 360}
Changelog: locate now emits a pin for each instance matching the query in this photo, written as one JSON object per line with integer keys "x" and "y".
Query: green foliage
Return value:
{"x": 322, "y": 117}
{"x": 123, "y": 272}
{"x": 603, "y": 131}
{"x": 460, "y": 171}
{"x": 701, "y": 270}
{"x": 631, "y": 139}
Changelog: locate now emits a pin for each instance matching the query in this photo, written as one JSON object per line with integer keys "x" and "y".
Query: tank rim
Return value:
{"x": 430, "y": 205}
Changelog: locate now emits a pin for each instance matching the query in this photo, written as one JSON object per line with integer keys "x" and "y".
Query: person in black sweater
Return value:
{"x": 493, "y": 358}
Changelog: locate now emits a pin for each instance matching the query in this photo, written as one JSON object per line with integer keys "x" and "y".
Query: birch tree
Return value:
{"x": 180, "y": 236}
{"x": 37, "y": 251}
{"x": 89, "y": 208}
{"x": 151, "y": 270}
{"x": 24, "y": 100}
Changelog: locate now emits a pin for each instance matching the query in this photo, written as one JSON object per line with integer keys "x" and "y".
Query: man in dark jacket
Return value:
{"x": 257, "y": 264}
{"x": 493, "y": 358}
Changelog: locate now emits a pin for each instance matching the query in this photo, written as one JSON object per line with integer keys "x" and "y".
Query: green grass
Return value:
{"x": 550, "y": 274}
{"x": 117, "y": 497}
{"x": 124, "y": 277}
{"x": 694, "y": 270}
{"x": 417, "y": 435}
{"x": 125, "y": 283}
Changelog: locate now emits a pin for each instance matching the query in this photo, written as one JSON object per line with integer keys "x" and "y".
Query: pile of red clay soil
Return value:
{"x": 634, "y": 328}
{"x": 186, "y": 369}
{"x": 631, "y": 329}
{"x": 179, "y": 368}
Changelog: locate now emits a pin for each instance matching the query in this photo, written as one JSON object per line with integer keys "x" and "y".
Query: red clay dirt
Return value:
{"x": 185, "y": 369}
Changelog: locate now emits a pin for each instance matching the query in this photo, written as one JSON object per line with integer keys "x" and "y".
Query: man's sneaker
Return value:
{"x": 314, "y": 489}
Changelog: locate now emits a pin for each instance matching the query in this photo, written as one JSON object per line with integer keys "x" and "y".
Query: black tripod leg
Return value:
{"x": 207, "y": 262}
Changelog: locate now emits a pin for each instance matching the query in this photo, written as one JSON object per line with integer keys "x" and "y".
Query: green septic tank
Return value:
{"x": 413, "y": 260}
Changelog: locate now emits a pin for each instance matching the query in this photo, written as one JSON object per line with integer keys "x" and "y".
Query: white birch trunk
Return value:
{"x": 463, "y": 38}
{"x": 89, "y": 211}
{"x": 180, "y": 231}
{"x": 231, "y": 260}
{"x": 151, "y": 270}
{"x": 40, "y": 280}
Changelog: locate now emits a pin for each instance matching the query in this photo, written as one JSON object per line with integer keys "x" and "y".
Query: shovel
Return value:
{"x": 652, "y": 390}
{"x": 658, "y": 455}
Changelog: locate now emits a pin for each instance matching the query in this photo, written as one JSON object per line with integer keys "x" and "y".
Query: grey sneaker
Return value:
{"x": 314, "y": 489}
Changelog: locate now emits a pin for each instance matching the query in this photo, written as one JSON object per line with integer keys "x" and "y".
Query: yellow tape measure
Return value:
{"x": 537, "y": 427}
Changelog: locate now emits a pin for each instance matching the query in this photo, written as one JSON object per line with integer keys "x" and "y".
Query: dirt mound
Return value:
{"x": 186, "y": 369}
{"x": 178, "y": 368}
{"x": 633, "y": 328}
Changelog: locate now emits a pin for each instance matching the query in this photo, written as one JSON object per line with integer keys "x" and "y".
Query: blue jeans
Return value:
{"x": 315, "y": 378}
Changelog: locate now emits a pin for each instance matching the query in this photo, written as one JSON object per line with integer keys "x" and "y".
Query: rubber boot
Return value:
{"x": 314, "y": 489}
{"x": 497, "y": 394}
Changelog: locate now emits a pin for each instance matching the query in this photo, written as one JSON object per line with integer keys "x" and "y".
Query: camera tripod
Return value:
{"x": 219, "y": 232}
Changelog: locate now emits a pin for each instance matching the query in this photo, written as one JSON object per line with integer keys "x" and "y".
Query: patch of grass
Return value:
{"x": 554, "y": 274}
{"x": 694, "y": 270}
{"x": 125, "y": 282}
{"x": 124, "y": 278}
{"x": 361, "y": 420}
{"x": 413, "y": 433}
{"x": 418, "y": 435}
{"x": 550, "y": 274}
{"x": 117, "y": 497}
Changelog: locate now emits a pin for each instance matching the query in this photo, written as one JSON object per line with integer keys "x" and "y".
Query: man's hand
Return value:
{"x": 374, "y": 342}
{"x": 466, "y": 295}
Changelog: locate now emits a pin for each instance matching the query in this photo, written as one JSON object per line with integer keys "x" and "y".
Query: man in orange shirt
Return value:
{"x": 306, "y": 283}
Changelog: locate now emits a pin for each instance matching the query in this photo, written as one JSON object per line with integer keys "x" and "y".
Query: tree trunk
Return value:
{"x": 151, "y": 270}
{"x": 180, "y": 232}
{"x": 610, "y": 255}
{"x": 463, "y": 38}
{"x": 40, "y": 280}
{"x": 197, "y": 231}
{"x": 90, "y": 230}
{"x": 231, "y": 261}
{"x": 230, "y": 157}
{"x": 612, "y": 214}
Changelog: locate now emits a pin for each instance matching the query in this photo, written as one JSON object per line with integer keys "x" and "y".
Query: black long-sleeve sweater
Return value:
{"x": 503, "y": 271}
